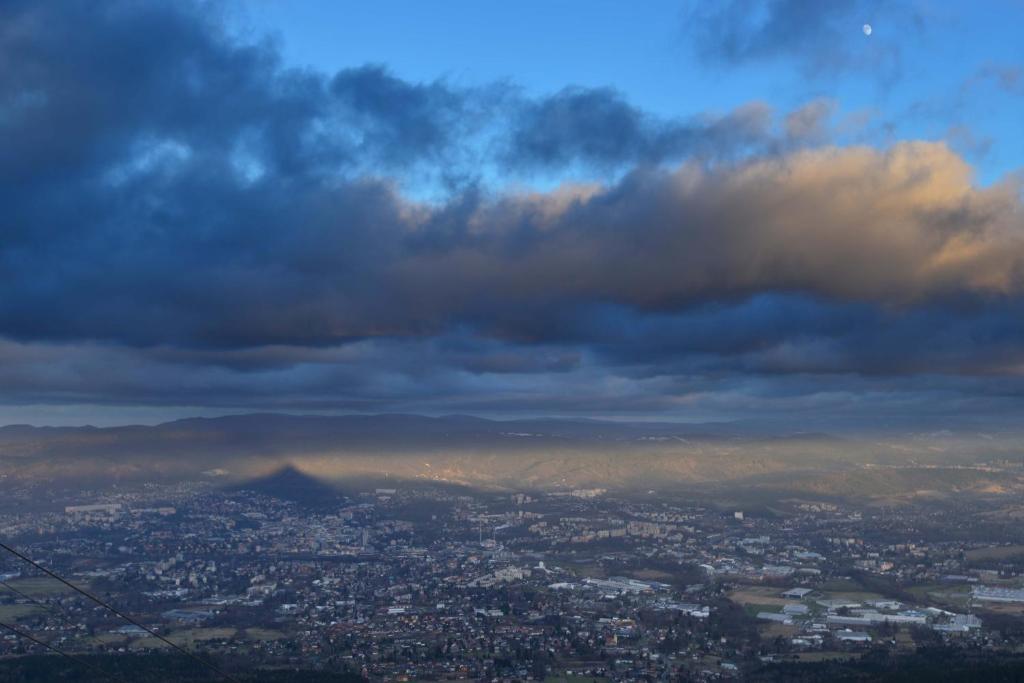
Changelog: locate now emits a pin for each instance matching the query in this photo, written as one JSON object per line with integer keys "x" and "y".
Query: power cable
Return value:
{"x": 211, "y": 666}
{"x": 78, "y": 660}
{"x": 45, "y": 605}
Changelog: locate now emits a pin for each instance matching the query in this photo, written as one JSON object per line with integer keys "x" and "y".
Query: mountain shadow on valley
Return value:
{"x": 292, "y": 484}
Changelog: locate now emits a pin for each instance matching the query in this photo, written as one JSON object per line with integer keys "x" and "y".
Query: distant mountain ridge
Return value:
{"x": 471, "y": 451}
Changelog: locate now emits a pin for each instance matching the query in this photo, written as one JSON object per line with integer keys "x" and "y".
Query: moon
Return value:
{"x": 867, "y": 29}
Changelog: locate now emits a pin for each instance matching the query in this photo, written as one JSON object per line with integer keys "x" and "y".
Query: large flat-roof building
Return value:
{"x": 97, "y": 511}
{"x": 997, "y": 594}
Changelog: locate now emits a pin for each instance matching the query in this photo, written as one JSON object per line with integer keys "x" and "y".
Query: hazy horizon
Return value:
{"x": 863, "y": 427}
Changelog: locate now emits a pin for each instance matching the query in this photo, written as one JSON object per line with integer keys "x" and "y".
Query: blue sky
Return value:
{"x": 948, "y": 52}
{"x": 666, "y": 210}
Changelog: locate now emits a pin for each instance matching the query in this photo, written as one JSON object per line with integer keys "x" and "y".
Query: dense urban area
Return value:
{"x": 411, "y": 581}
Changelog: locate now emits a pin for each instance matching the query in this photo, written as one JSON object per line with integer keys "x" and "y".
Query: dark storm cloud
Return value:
{"x": 597, "y": 126}
{"x": 188, "y": 222}
{"x": 1009, "y": 78}
{"x": 126, "y": 86}
{"x": 825, "y": 38}
{"x": 403, "y": 123}
{"x": 773, "y": 334}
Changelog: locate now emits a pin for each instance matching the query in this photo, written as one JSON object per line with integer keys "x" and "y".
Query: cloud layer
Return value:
{"x": 824, "y": 39}
{"x": 189, "y": 222}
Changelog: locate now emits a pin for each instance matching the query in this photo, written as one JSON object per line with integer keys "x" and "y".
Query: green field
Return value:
{"x": 186, "y": 638}
{"x": 262, "y": 634}
{"x": 9, "y": 613}
{"x": 824, "y": 656}
{"x": 753, "y": 608}
{"x": 840, "y": 585}
{"x": 955, "y": 596}
{"x": 855, "y": 596}
{"x": 41, "y": 586}
{"x": 1000, "y": 552}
